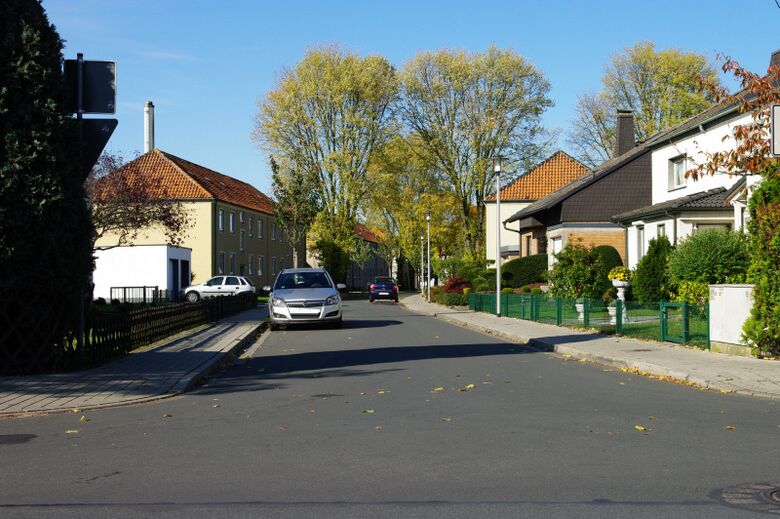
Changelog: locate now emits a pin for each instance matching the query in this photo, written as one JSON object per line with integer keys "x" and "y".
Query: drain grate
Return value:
{"x": 757, "y": 497}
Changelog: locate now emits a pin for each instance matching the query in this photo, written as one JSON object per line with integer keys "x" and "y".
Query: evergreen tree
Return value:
{"x": 651, "y": 281}
{"x": 45, "y": 257}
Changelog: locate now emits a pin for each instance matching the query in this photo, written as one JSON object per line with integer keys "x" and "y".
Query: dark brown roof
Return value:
{"x": 544, "y": 178}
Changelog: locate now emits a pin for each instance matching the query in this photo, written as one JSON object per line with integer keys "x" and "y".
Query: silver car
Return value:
{"x": 304, "y": 295}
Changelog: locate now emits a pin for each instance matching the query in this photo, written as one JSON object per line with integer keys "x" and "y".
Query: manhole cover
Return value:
{"x": 757, "y": 497}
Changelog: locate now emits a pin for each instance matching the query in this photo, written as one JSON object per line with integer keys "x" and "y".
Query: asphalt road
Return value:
{"x": 399, "y": 415}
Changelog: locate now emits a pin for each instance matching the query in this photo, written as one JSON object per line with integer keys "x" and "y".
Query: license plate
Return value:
{"x": 384, "y": 293}
{"x": 306, "y": 311}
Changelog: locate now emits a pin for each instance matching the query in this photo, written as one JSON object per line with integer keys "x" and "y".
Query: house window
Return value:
{"x": 241, "y": 270}
{"x": 260, "y": 265}
{"x": 232, "y": 221}
{"x": 241, "y": 217}
{"x": 273, "y": 266}
{"x": 640, "y": 242}
{"x": 221, "y": 263}
{"x": 232, "y": 263}
{"x": 261, "y": 229}
{"x": 241, "y": 240}
{"x": 251, "y": 265}
{"x": 273, "y": 230}
{"x": 661, "y": 231}
{"x": 251, "y": 226}
{"x": 281, "y": 233}
{"x": 677, "y": 167}
{"x": 221, "y": 220}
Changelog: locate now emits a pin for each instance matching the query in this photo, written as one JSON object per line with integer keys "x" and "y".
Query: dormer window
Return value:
{"x": 677, "y": 167}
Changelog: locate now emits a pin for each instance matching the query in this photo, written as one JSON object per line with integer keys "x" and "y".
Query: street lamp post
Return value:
{"x": 428, "y": 281}
{"x": 497, "y": 169}
{"x": 422, "y": 265}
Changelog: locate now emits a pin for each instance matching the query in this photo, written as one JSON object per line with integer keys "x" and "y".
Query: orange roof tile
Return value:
{"x": 365, "y": 233}
{"x": 541, "y": 180}
{"x": 173, "y": 177}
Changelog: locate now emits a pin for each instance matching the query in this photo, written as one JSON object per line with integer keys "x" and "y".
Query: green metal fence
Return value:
{"x": 682, "y": 323}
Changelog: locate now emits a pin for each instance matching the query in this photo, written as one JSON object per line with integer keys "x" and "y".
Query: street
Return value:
{"x": 397, "y": 415}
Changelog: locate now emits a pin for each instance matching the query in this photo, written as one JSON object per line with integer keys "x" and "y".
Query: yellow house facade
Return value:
{"x": 231, "y": 227}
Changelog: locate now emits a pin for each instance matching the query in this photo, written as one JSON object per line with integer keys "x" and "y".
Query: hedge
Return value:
{"x": 527, "y": 270}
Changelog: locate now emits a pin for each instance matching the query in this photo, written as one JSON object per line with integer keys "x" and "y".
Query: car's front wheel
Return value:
{"x": 192, "y": 297}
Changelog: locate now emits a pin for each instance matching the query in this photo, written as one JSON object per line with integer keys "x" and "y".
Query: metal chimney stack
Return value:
{"x": 148, "y": 126}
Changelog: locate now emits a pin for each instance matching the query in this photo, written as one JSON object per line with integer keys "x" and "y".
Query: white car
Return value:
{"x": 219, "y": 286}
{"x": 304, "y": 295}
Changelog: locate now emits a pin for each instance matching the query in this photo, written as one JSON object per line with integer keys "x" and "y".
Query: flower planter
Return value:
{"x": 580, "y": 307}
{"x": 620, "y": 284}
{"x": 612, "y": 314}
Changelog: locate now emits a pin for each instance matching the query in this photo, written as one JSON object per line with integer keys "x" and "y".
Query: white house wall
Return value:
{"x": 141, "y": 265}
{"x": 694, "y": 147}
{"x": 507, "y": 237}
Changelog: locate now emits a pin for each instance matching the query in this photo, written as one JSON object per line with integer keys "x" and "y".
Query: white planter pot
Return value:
{"x": 612, "y": 314}
{"x": 620, "y": 284}
{"x": 580, "y": 307}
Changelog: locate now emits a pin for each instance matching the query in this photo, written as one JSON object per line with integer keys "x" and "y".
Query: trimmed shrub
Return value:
{"x": 455, "y": 285}
{"x": 451, "y": 299}
{"x": 694, "y": 292}
{"x": 507, "y": 290}
{"x": 651, "y": 280}
{"x": 712, "y": 256}
{"x": 524, "y": 271}
{"x": 525, "y": 289}
{"x": 536, "y": 291}
{"x": 609, "y": 256}
{"x": 578, "y": 273}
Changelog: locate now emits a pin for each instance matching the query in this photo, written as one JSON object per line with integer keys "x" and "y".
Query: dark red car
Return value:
{"x": 383, "y": 288}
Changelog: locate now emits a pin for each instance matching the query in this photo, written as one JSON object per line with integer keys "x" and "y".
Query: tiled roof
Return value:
{"x": 714, "y": 199}
{"x": 365, "y": 233}
{"x": 544, "y": 178}
{"x": 171, "y": 177}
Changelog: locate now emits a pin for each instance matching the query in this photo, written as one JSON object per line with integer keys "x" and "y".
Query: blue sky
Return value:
{"x": 206, "y": 64}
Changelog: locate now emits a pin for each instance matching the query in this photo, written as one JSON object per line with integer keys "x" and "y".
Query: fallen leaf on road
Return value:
{"x": 83, "y": 419}
{"x": 438, "y": 389}
{"x": 487, "y": 382}
{"x": 728, "y": 427}
{"x": 216, "y": 405}
{"x": 379, "y": 428}
{"x": 446, "y": 419}
{"x": 368, "y": 411}
{"x": 75, "y": 410}
{"x": 166, "y": 415}
{"x": 639, "y": 428}
{"x": 382, "y": 392}
{"x": 281, "y": 428}
{"x": 72, "y": 431}
{"x": 651, "y": 417}
{"x": 622, "y": 383}
{"x": 467, "y": 387}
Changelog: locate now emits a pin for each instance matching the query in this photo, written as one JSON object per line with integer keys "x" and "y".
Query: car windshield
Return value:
{"x": 293, "y": 280}
{"x": 384, "y": 280}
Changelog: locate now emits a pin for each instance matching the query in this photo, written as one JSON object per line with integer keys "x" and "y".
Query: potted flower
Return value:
{"x": 609, "y": 297}
{"x": 620, "y": 277}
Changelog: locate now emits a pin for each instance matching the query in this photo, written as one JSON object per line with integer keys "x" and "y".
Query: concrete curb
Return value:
{"x": 185, "y": 383}
{"x": 647, "y": 368}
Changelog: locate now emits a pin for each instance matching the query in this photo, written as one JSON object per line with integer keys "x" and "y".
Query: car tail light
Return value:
{"x": 395, "y": 288}
{"x": 373, "y": 287}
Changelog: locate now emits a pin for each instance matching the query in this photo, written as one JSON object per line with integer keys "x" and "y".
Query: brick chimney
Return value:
{"x": 775, "y": 59}
{"x": 624, "y": 134}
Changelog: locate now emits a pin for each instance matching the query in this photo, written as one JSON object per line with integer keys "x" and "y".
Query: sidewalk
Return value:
{"x": 743, "y": 375}
{"x": 164, "y": 371}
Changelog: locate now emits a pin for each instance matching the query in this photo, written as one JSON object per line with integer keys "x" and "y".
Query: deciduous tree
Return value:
{"x": 124, "y": 205}
{"x": 662, "y": 88}
{"x": 468, "y": 109}
{"x": 297, "y": 203}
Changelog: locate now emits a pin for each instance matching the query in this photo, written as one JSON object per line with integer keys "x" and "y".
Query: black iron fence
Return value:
{"x": 109, "y": 332}
{"x": 150, "y": 294}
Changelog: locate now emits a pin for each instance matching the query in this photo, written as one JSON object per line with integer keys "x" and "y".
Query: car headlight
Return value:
{"x": 277, "y": 301}
{"x": 332, "y": 300}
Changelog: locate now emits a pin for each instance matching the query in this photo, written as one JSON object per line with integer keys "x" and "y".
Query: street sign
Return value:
{"x": 98, "y": 94}
{"x": 775, "y": 133}
{"x": 95, "y": 135}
